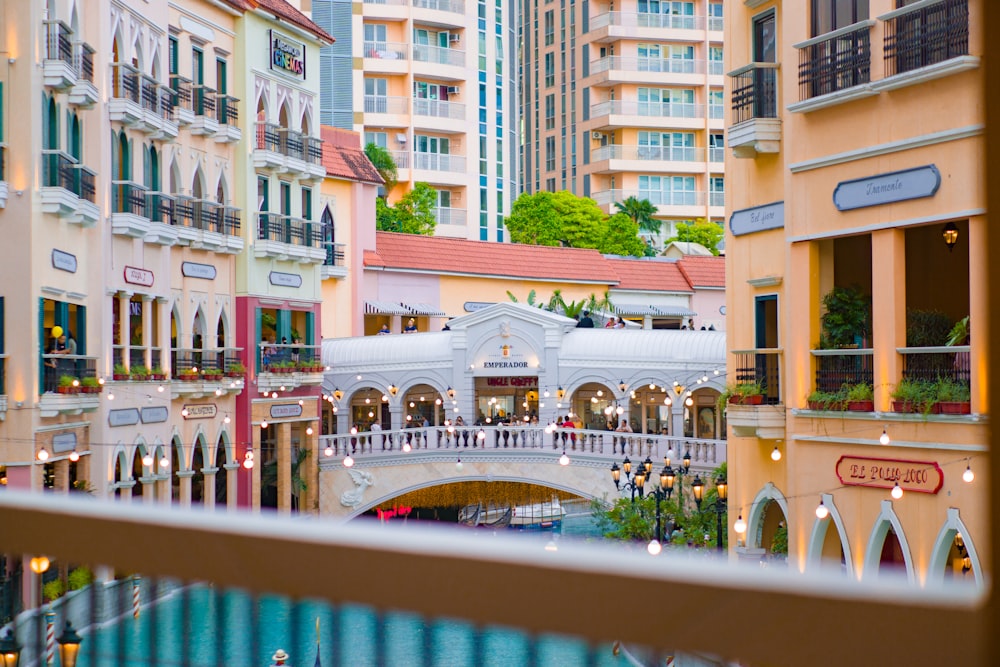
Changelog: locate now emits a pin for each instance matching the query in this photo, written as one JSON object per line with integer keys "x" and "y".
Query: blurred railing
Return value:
{"x": 648, "y": 64}
{"x": 654, "y": 109}
{"x": 653, "y": 153}
{"x": 59, "y": 42}
{"x": 931, "y": 363}
{"x": 763, "y": 367}
{"x": 438, "y": 55}
{"x": 386, "y": 104}
{"x": 649, "y": 20}
{"x": 128, "y": 197}
{"x": 274, "y": 227}
{"x": 835, "y": 368}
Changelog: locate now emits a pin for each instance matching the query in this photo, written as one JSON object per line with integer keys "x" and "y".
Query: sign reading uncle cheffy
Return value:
{"x": 287, "y": 55}
{"x": 887, "y": 188}
{"x": 758, "y": 218}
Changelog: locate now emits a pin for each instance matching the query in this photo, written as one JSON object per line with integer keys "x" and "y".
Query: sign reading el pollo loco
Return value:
{"x": 918, "y": 476}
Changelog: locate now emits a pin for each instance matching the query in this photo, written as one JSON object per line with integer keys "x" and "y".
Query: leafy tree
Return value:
{"x": 641, "y": 211}
{"x": 530, "y": 300}
{"x": 621, "y": 237}
{"x": 382, "y": 160}
{"x": 596, "y": 304}
{"x": 534, "y": 220}
{"x": 412, "y": 214}
{"x": 702, "y": 232}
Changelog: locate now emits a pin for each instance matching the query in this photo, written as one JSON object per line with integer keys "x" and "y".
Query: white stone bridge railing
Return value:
{"x": 705, "y": 454}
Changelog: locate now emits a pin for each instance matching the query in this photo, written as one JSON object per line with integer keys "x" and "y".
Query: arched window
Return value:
{"x": 329, "y": 235}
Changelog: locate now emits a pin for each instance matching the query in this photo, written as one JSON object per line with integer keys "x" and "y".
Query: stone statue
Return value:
{"x": 362, "y": 480}
{"x": 505, "y": 329}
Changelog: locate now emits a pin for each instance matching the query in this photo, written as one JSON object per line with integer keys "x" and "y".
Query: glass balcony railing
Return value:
{"x": 648, "y": 64}
{"x": 649, "y": 153}
{"x": 386, "y": 104}
{"x": 649, "y": 20}
{"x": 647, "y": 109}
{"x": 386, "y": 50}
{"x": 438, "y": 55}
{"x": 454, "y": 6}
{"x": 438, "y": 108}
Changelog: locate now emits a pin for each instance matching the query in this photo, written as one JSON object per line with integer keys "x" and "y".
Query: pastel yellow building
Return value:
{"x": 856, "y": 250}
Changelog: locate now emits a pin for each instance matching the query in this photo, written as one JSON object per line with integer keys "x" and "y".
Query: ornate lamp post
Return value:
{"x": 722, "y": 488}
{"x": 69, "y": 645}
{"x": 644, "y": 472}
{"x": 10, "y": 650}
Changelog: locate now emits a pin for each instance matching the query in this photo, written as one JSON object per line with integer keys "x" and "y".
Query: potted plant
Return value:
{"x": 90, "y": 385}
{"x": 953, "y": 398}
{"x": 187, "y": 374}
{"x": 120, "y": 372}
{"x": 212, "y": 374}
{"x": 235, "y": 369}
{"x": 748, "y": 393}
{"x": 158, "y": 373}
{"x": 845, "y": 320}
{"x": 139, "y": 373}
{"x": 859, "y": 397}
{"x": 68, "y": 385}
{"x": 914, "y": 396}
{"x": 825, "y": 400}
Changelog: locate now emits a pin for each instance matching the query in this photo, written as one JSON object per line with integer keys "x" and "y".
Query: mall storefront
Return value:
{"x": 514, "y": 363}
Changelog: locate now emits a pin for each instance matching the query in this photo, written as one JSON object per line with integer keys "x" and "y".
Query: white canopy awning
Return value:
{"x": 633, "y": 310}
{"x": 424, "y": 309}
{"x": 384, "y": 308}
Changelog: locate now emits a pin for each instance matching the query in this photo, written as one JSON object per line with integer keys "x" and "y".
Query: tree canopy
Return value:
{"x": 702, "y": 232}
{"x": 412, "y": 214}
{"x": 641, "y": 211}
{"x": 382, "y": 160}
{"x": 562, "y": 218}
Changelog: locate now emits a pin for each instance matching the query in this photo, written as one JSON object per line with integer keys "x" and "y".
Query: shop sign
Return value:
{"x": 195, "y": 270}
{"x": 887, "y": 188}
{"x": 917, "y": 476}
{"x": 757, "y": 219}
{"x": 288, "y": 56}
{"x": 155, "y": 414}
{"x": 138, "y": 276}
{"x": 123, "y": 417}
{"x": 286, "y": 410}
{"x": 201, "y": 411}
{"x": 513, "y": 381}
{"x": 63, "y": 442}
{"x": 285, "y": 279}
{"x": 473, "y": 306}
{"x": 63, "y": 261}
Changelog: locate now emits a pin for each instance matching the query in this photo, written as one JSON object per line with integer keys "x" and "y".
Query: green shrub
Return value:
{"x": 927, "y": 328}
{"x": 79, "y": 578}
{"x": 827, "y": 400}
{"x": 859, "y": 392}
{"x": 53, "y": 590}
{"x": 846, "y": 317}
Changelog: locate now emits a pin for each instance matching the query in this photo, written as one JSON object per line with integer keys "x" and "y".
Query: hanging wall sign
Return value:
{"x": 918, "y": 476}
{"x": 155, "y": 414}
{"x": 64, "y": 261}
{"x": 195, "y": 270}
{"x": 287, "y": 55}
{"x": 138, "y": 276}
{"x": 201, "y": 411}
{"x": 285, "y": 279}
{"x": 63, "y": 442}
{"x": 757, "y": 219}
{"x": 887, "y": 188}
{"x": 124, "y": 417}
{"x": 286, "y": 410}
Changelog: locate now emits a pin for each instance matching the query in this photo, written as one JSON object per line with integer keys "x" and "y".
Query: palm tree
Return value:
{"x": 641, "y": 211}
{"x": 382, "y": 160}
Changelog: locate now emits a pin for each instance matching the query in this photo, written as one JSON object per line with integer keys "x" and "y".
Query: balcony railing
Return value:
{"x": 60, "y": 171}
{"x": 59, "y": 42}
{"x": 387, "y": 50}
{"x": 649, "y": 109}
{"x": 206, "y": 215}
{"x": 286, "y": 229}
{"x": 386, "y": 104}
{"x": 648, "y": 20}
{"x": 268, "y": 137}
{"x": 125, "y": 82}
{"x": 83, "y": 54}
{"x": 657, "y": 197}
{"x": 755, "y": 92}
{"x": 291, "y": 143}
{"x": 334, "y": 254}
{"x": 273, "y": 357}
{"x": 439, "y": 162}
{"x": 182, "y": 97}
{"x": 716, "y": 154}
{"x": 128, "y": 197}
{"x": 231, "y": 221}
{"x": 646, "y": 64}
{"x": 925, "y": 34}
{"x": 186, "y": 359}
{"x": 836, "y": 368}
{"x": 3, "y": 157}
{"x": 835, "y": 61}
{"x": 74, "y": 365}
{"x": 761, "y": 366}
{"x": 401, "y": 159}
{"x": 161, "y": 207}
{"x": 313, "y": 149}
{"x": 715, "y": 67}
{"x": 716, "y": 198}
{"x": 228, "y": 110}
{"x": 450, "y": 216}
{"x": 438, "y": 55}
{"x": 931, "y": 363}
{"x": 647, "y": 153}
{"x": 204, "y": 100}
{"x": 438, "y": 108}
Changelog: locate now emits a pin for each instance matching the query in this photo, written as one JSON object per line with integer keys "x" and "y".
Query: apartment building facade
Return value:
{"x": 625, "y": 100}
{"x": 855, "y": 269}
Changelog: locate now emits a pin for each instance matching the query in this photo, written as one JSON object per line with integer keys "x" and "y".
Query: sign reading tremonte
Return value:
{"x": 758, "y": 218}
{"x": 887, "y": 188}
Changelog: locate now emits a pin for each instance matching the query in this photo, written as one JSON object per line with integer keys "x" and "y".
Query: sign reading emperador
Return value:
{"x": 919, "y": 476}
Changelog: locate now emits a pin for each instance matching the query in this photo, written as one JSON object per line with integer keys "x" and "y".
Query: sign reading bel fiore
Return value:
{"x": 887, "y": 188}
{"x": 918, "y": 476}
{"x": 758, "y": 218}
{"x": 288, "y": 56}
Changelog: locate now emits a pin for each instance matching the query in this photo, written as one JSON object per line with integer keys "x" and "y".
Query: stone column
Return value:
{"x": 147, "y": 329}
{"x": 310, "y": 471}
{"x": 61, "y": 481}
{"x": 148, "y": 489}
{"x": 208, "y": 493}
{"x": 232, "y": 472}
{"x": 284, "y": 450}
{"x": 888, "y": 311}
{"x": 123, "y": 308}
{"x": 125, "y": 491}
{"x": 397, "y": 419}
{"x": 163, "y": 489}
{"x": 255, "y": 476}
{"x": 979, "y": 257}
{"x": 185, "y": 492}
{"x": 162, "y": 339}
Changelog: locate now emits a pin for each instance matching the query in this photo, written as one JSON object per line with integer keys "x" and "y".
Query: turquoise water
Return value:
{"x": 220, "y": 629}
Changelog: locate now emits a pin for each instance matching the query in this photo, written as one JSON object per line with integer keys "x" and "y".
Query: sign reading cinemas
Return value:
{"x": 288, "y": 56}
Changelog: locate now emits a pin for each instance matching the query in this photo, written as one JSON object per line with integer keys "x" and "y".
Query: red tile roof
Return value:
{"x": 372, "y": 259}
{"x": 649, "y": 274}
{"x": 459, "y": 256}
{"x": 343, "y": 157}
{"x": 704, "y": 271}
{"x": 283, "y": 10}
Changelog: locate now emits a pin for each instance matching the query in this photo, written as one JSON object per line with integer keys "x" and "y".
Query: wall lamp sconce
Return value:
{"x": 950, "y": 234}
{"x": 338, "y": 394}
{"x": 450, "y": 392}
{"x": 622, "y": 385}
{"x": 560, "y": 392}
{"x": 393, "y": 389}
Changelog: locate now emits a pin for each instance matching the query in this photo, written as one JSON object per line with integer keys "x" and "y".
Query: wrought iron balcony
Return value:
{"x": 204, "y": 105}
{"x": 129, "y": 210}
{"x": 763, "y": 368}
{"x": 182, "y": 98}
{"x": 836, "y": 368}
{"x": 229, "y": 118}
{"x": 285, "y": 237}
{"x": 755, "y": 127}
{"x": 84, "y": 93}
{"x": 835, "y": 61}
{"x": 59, "y": 68}
{"x": 925, "y": 34}
{"x": 68, "y": 188}
{"x": 141, "y": 101}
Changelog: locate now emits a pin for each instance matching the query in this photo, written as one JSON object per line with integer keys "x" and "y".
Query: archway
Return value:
{"x": 888, "y": 551}
{"x": 221, "y": 481}
{"x": 179, "y": 463}
{"x": 828, "y": 547}
{"x": 137, "y": 455}
{"x": 593, "y": 405}
{"x": 198, "y": 465}
{"x": 121, "y": 465}
{"x": 423, "y": 402}
{"x": 768, "y": 526}
{"x": 955, "y": 557}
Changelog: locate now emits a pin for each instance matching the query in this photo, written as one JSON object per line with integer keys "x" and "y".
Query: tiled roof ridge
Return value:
{"x": 283, "y": 9}
{"x": 344, "y": 160}
{"x": 492, "y": 243}
{"x": 687, "y": 276}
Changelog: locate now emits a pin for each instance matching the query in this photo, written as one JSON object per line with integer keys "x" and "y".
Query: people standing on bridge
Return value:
{"x": 585, "y": 322}
{"x": 623, "y": 427}
{"x": 411, "y": 326}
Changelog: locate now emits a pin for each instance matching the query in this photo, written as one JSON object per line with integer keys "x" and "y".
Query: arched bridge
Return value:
{"x": 386, "y": 464}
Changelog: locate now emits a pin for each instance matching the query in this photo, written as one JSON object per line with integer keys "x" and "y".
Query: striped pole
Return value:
{"x": 135, "y": 596}
{"x": 50, "y": 638}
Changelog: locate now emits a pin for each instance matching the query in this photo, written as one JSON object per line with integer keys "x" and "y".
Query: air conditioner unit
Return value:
{"x": 454, "y": 37}
{"x": 453, "y": 90}
{"x": 597, "y": 135}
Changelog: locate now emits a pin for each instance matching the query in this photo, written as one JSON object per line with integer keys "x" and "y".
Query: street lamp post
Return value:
{"x": 10, "y": 650}
{"x": 722, "y": 488}
{"x": 644, "y": 472}
{"x": 69, "y": 645}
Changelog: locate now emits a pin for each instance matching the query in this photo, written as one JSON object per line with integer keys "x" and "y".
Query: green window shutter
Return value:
{"x": 283, "y": 325}
{"x": 310, "y": 326}
{"x": 80, "y": 330}
{"x": 41, "y": 345}
{"x": 258, "y": 332}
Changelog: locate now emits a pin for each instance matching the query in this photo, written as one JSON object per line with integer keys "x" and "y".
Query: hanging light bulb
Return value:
{"x": 184, "y": 412}
{"x": 263, "y": 424}
{"x": 564, "y": 460}
{"x": 458, "y": 464}
{"x": 348, "y": 461}
{"x": 821, "y": 510}
{"x": 160, "y": 388}
{"x": 74, "y": 456}
{"x": 406, "y": 448}
{"x": 740, "y": 526}
{"x": 884, "y": 438}
{"x": 309, "y": 430}
{"x": 776, "y": 454}
{"x": 274, "y": 394}
{"x": 226, "y": 419}
{"x": 43, "y": 454}
{"x": 667, "y": 401}
{"x": 147, "y": 460}
{"x": 164, "y": 462}
{"x": 897, "y": 491}
{"x": 654, "y": 548}
{"x": 111, "y": 395}
{"x": 968, "y": 475}
{"x": 328, "y": 451}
